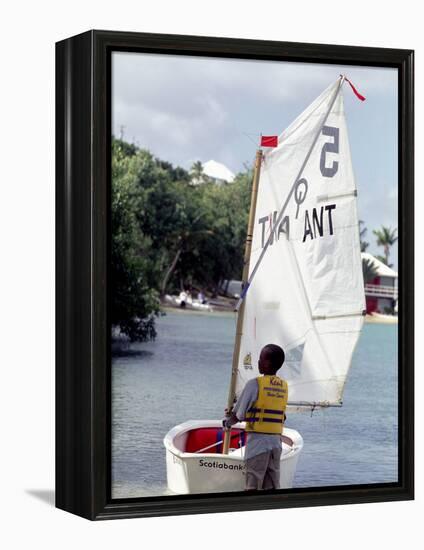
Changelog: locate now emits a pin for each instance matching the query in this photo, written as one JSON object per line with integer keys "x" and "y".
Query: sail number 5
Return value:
{"x": 329, "y": 147}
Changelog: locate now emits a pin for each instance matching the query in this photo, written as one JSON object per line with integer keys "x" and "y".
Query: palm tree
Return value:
{"x": 362, "y": 232}
{"x": 196, "y": 173}
{"x": 369, "y": 270}
{"x": 386, "y": 237}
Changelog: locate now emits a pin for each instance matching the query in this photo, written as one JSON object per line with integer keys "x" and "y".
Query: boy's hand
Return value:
{"x": 228, "y": 412}
{"x": 229, "y": 420}
{"x": 225, "y": 426}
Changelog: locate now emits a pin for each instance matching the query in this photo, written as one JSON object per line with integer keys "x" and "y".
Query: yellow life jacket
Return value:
{"x": 266, "y": 415}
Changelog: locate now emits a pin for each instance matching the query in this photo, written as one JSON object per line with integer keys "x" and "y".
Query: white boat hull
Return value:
{"x": 209, "y": 472}
{"x": 189, "y": 304}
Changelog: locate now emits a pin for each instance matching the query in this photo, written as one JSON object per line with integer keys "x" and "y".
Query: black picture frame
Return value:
{"x": 83, "y": 405}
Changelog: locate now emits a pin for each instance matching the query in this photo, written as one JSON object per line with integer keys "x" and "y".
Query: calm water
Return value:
{"x": 185, "y": 374}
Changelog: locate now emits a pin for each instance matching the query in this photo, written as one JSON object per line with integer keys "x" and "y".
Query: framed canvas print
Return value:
{"x": 234, "y": 274}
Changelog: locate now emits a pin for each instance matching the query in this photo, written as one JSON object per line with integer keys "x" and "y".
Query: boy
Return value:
{"x": 262, "y": 405}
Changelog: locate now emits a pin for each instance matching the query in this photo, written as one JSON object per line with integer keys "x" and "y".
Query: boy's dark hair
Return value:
{"x": 275, "y": 354}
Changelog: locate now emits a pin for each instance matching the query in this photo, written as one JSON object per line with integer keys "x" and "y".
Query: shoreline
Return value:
{"x": 166, "y": 308}
{"x": 382, "y": 319}
{"x": 378, "y": 318}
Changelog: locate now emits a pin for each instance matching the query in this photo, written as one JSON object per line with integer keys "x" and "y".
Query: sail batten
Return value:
{"x": 323, "y": 317}
{"x": 308, "y": 406}
{"x": 305, "y": 288}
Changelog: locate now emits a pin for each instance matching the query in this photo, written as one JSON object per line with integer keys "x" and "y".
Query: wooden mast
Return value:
{"x": 245, "y": 277}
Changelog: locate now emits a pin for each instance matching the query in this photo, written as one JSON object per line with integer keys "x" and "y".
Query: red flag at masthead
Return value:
{"x": 355, "y": 91}
{"x": 269, "y": 141}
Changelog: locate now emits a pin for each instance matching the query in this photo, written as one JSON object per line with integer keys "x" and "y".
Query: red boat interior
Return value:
{"x": 209, "y": 440}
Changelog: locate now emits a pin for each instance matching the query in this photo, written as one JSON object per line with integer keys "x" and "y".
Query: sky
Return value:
{"x": 184, "y": 109}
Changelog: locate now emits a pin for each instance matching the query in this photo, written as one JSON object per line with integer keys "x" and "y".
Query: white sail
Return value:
{"x": 307, "y": 294}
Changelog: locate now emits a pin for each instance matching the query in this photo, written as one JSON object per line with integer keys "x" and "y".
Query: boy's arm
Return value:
{"x": 248, "y": 396}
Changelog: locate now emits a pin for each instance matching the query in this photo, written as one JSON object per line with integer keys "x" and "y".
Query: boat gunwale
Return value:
{"x": 185, "y": 427}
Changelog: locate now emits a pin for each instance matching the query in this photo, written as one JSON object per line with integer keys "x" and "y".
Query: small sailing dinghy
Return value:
{"x": 303, "y": 290}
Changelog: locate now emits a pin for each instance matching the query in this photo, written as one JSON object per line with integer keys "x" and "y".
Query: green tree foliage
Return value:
{"x": 213, "y": 250}
{"x": 134, "y": 299}
{"x": 369, "y": 270}
{"x": 362, "y": 232}
{"x": 386, "y": 237}
{"x": 168, "y": 233}
{"x": 197, "y": 176}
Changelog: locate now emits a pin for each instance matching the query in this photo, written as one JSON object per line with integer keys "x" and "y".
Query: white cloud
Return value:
{"x": 197, "y": 102}
{"x": 194, "y": 108}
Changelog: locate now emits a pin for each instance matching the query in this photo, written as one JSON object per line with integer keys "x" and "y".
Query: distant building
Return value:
{"x": 381, "y": 293}
{"x": 218, "y": 172}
